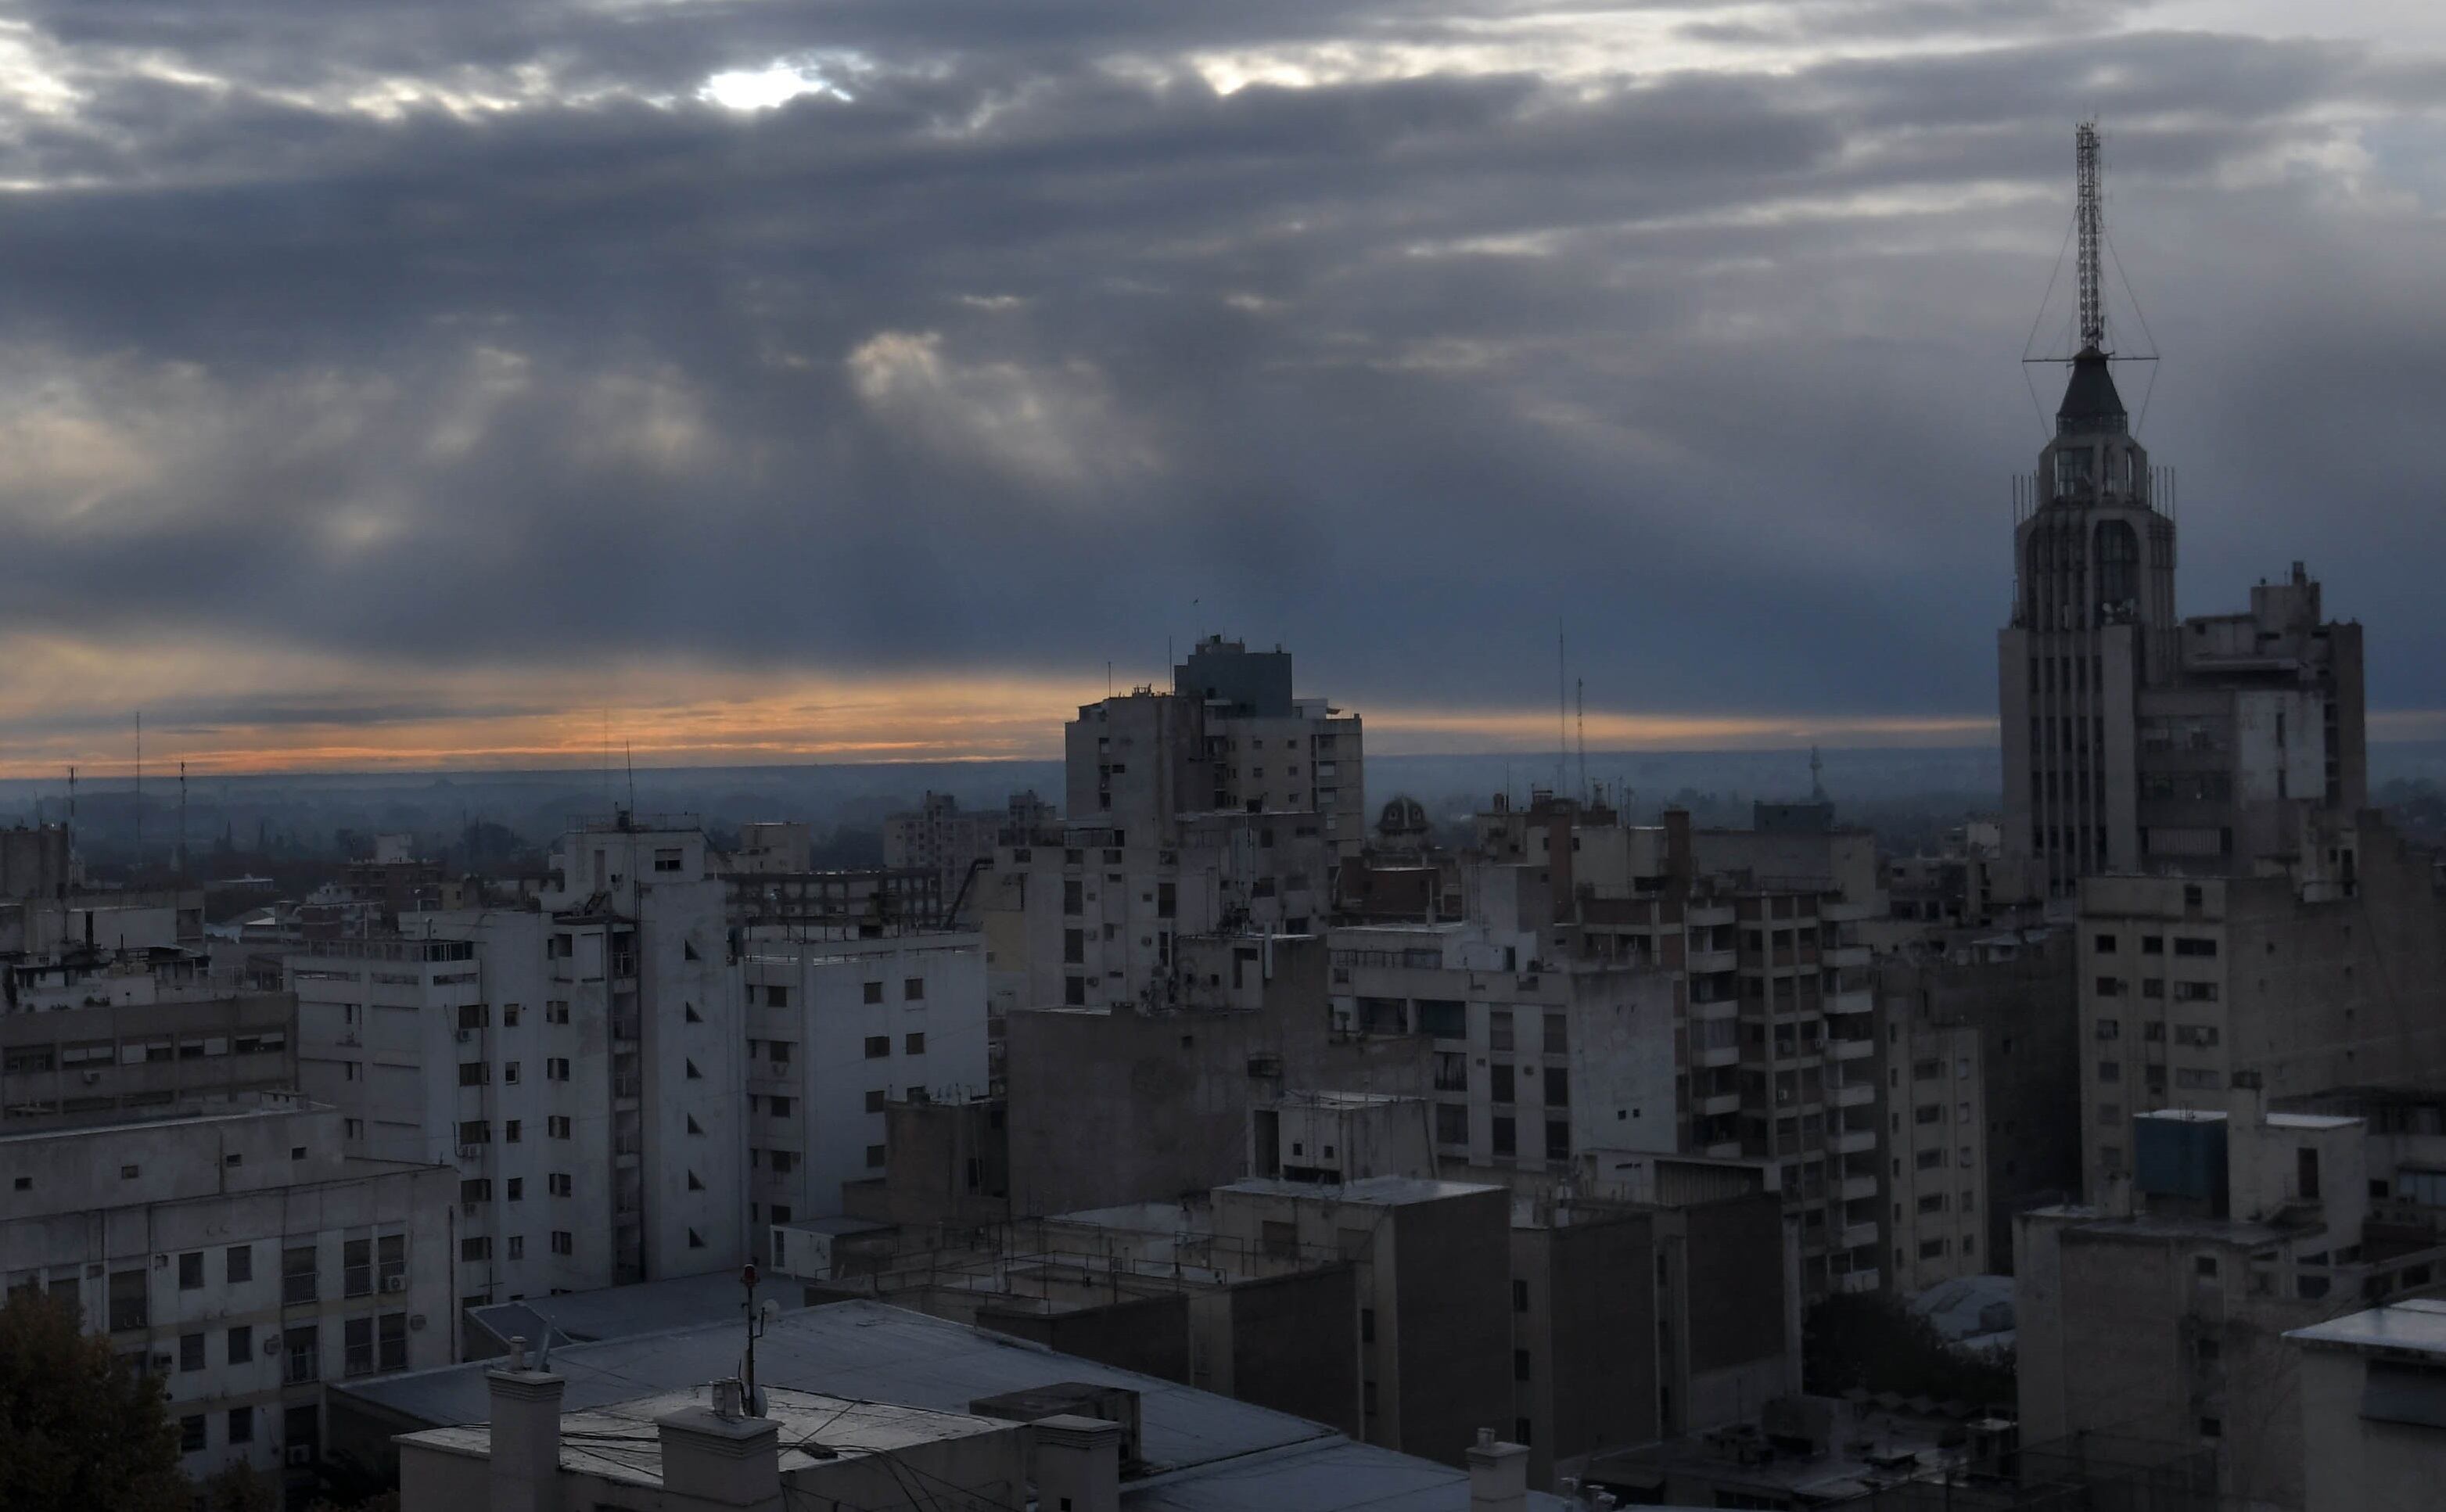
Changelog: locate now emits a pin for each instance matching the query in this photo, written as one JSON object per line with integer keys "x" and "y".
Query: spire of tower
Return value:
{"x": 2089, "y": 217}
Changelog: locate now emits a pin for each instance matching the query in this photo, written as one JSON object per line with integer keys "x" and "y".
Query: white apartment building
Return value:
{"x": 1936, "y": 1152}
{"x": 579, "y": 1063}
{"x": 235, "y": 1250}
{"x": 836, "y": 1029}
{"x": 1535, "y": 1061}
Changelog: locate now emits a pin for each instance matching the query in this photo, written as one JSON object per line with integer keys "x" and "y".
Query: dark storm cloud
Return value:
{"x": 1001, "y": 361}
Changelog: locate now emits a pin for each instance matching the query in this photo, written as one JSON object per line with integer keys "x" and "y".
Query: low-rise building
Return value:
{"x": 2374, "y": 1408}
{"x": 235, "y": 1250}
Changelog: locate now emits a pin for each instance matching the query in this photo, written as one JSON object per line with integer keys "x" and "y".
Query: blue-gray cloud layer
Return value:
{"x": 471, "y": 331}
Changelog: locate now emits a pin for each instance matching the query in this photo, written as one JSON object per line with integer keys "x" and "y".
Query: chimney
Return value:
{"x": 1078, "y": 1464}
{"x": 716, "y": 1455}
{"x": 526, "y": 1436}
{"x": 1498, "y": 1475}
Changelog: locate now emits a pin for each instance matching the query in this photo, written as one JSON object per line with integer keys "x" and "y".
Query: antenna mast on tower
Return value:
{"x": 2088, "y": 221}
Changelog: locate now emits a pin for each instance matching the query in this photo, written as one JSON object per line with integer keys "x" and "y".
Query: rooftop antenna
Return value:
{"x": 1562, "y": 734}
{"x": 1580, "y": 696}
{"x": 182, "y": 822}
{"x": 2088, "y": 225}
{"x": 1816, "y": 776}
{"x": 139, "y": 789}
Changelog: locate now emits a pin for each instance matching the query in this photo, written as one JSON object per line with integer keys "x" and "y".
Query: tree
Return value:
{"x": 1872, "y": 1342}
{"x": 239, "y": 1488}
{"x": 78, "y": 1431}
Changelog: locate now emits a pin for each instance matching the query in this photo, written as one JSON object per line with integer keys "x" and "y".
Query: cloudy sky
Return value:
{"x": 451, "y": 382}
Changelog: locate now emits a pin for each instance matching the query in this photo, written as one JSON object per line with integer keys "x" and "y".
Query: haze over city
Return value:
{"x": 765, "y": 381}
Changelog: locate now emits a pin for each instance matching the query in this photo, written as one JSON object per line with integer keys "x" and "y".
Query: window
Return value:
{"x": 1279, "y": 1241}
{"x": 297, "y": 1282}
{"x": 357, "y": 1347}
{"x": 2201, "y": 1035}
{"x": 2196, "y": 991}
{"x": 1499, "y": 1131}
{"x": 1499, "y": 1083}
{"x": 781, "y": 1106}
{"x": 127, "y": 1300}
{"x": 1520, "y": 1431}
{"x": 1558, "y": 1140}
{"x": 510, "y": 1131}
{"x": 559, "y": 1184}
{"x": 191, "y": 1352}
{"x": 1452, "y": 1123}
{"x": 510, "y": 1073}
{"x": 1929, "y": 1113}
{"x": 1520, "y": 1364}
{"x": 879, "y": 1046}
{"x": 562, "y": 1243}
{"x": 783, "y": 1162}
{"x": 2110, "y": 1029}
{"x": 1932, "y": 1202}
{"x": 1926, "y": 1070}
{"x": 2186, "y": 946}
{"x": 517, "y": 1246}
{"x": 667, "y": 860}
{"x": 556, "y": 1069}
{"x": 191, "y": 1434}
{"x": 1929, "y": 1160}
{"x": 2109, "y": 987}
{"x": 1519, "y": 1296}
{"x": 1499, "y": 1030}
{"x": 474, "y": 1247}
{"x": 474, "y": 1131}
{"x": 1366, "y": 1325}
{"x": 238, "y": 1344}
{"x": 555, "y": 1125}
{"x": 237, "y": 1264}
{"x": 241, "y": 1425}
{"x": 2193, "y": 1079}
{"x": 913, "y": 1044}
{"x": 1558, "y": 1034}
{"x": 912, "y": 989}
{"x": 1930, "y": 1249}
{"x": 2110, "y": 1070}
{"x": 873, "y": 991}
{"x": 1558, "y": 1086}
{"x": 191, "y": 1270}
{"x": 391, "y": 1342}
{"x": 356, "y": 1268}
{"x": 874, "y": 1157}
{"x": 777, "y": 997}
{"x": 2105, "y": 944}
{"x": 303, "y": 1346}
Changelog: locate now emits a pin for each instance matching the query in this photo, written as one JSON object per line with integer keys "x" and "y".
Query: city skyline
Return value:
{"x": 768, "y": 385}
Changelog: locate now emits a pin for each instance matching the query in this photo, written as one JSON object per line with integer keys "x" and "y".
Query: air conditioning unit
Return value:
{"x": 394, "y": 1283}
{"x": 269, "y": 1344}
{"x": 301, "y": 1454}
{"x": 92, "y": 1077}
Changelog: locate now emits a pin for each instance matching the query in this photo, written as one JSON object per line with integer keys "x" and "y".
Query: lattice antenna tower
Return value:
{"x": 2089, "y": 219}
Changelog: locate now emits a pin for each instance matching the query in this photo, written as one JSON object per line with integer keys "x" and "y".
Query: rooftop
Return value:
{"x": 2418, "y": 1326}
{"x": 1381, "y": 1191}
{"x": 619, "y": 1442}
{"x": 624, "y": 1312}
{"x": 1202, "y": 1452}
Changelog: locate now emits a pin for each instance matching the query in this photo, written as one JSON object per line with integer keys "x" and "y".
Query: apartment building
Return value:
{"x": 1228, "y": 735}
{"x": 1533, "y": 1060}
{"x": 837, "y": 1031}
{"x": 2373, "y": 1386}
{"x": 579, "y": 1063}
{"x": 1089, "y": 916}
{"x": 2014, "y": 991}
{"x": 2300, "y": 978}
{"x": 941, "y": 837}
{"x": 1936, "y": 1161}
{"x": 235, "y": 1250}
{"x": 2163, "y": 1310}
{"x": 193, "y": 1040}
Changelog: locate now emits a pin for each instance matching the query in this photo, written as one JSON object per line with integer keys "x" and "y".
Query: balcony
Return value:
{"x": 1850, "y": 1050}
{"x": 1853, "y": 1236}
{"x": 1855, "y": 1095}
{"x": 1721, "y": 1103}
{"x": 1719, "y": 1056}
{"x": 1856, "y": 1188}
{"x": 1854, "y": 1282}
{"x": 1706, "y": 963}
{"x": 1852, "y": 1142}
{"x": 1860, "y": 1002}
{"x": 1842, "y": 956}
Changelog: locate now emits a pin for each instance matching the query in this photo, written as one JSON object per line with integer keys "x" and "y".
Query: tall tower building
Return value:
{"x": 2135, "y": 742}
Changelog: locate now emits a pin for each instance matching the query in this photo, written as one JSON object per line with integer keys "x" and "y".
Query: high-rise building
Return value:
{"x": 2134, "y": 741}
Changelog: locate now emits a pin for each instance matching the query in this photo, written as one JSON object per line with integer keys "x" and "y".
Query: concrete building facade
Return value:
{"x": 235, "y": 1251}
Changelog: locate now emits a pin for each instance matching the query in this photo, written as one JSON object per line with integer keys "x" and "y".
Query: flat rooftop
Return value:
{"x": 624, "y": 1312}
{"x": 1381, "y": 1191}
{"x": 619, "y": 1442}
{"x": 2418, "y": 1325}
{"x": 1204, "y": 1452}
